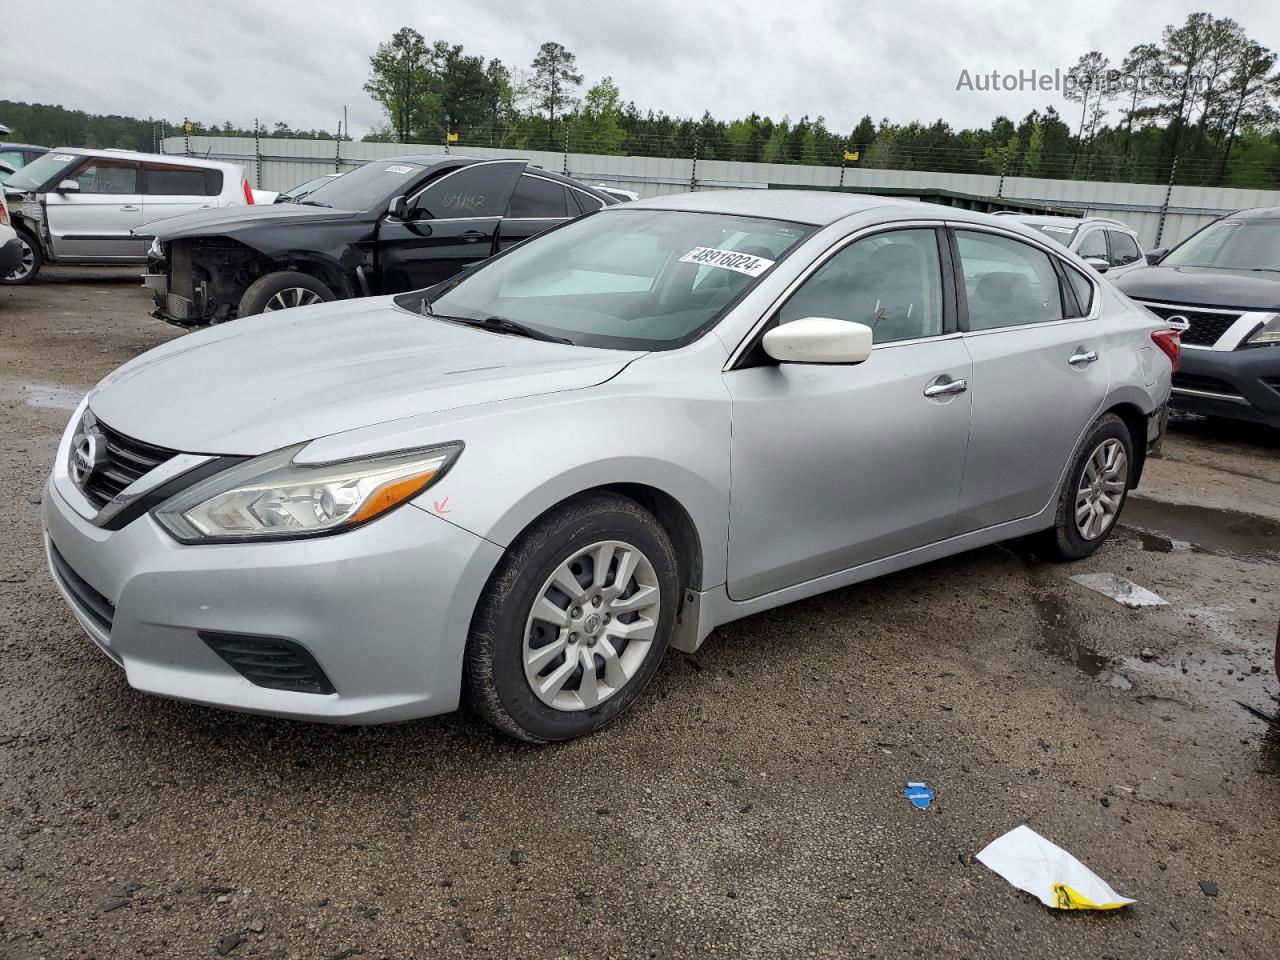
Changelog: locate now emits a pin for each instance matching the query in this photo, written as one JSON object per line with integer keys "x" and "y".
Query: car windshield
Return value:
{"x": 627, "y": 278}
{"x": 1230, "y": 245}
{"x": 41, "y": 170}
{"x": 1058, "y": 232}
{"x": 307, "y": 188}
{"x": 371, "y": 185}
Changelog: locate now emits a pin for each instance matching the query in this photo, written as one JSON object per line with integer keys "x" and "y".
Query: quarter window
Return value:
{"x": 108, "y": 175}
{"x": 892, "y": 282}
{"x": 1094, "y": 244}
{"x": 1007, "y": 283}
{"x": 1082, "y": 287}
{"x": 1124, "y": 249}
{"x": 477, "y": 191}
{"x": 585, "y": 202}
{"x": 536, "y": 198}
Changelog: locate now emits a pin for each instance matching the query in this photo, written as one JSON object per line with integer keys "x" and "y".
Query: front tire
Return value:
{"x": 282, "y": 291}
{"x": 574, "y": 622}
{"x": 1093, "y": 493}
{"x": 32, "y": 261}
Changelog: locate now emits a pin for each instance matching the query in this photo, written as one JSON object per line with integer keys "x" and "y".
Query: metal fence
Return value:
{"x": 1161, "y": 214}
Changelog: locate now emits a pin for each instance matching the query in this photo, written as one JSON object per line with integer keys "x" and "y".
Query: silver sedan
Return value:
{"x": 521, "y": 486}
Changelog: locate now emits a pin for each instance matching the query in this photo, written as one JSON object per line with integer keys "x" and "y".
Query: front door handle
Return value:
{"x": 947, "y": 389}
{"x": 1084, "y": 356}
{"x": 471, "y": 236}
{"x": 129, "y": 208}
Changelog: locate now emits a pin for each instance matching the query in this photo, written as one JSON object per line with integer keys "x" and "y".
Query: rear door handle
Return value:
{"x": 946, "y": 389}
{"x": 129, "y": 208}
{"x": 1088, "y": 356}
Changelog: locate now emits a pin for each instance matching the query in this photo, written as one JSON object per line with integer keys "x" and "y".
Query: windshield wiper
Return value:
{"x": 310, "y": 203}
{"x": 498, "y": 324}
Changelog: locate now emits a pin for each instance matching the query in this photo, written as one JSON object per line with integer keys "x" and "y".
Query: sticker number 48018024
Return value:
{"x": 752, "y": 266}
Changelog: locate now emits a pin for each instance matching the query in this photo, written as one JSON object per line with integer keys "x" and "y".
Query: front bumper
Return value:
{"x": 384, "y": 610}
{"x": 10, "y": 256}
{"x": 1239, "y": 384}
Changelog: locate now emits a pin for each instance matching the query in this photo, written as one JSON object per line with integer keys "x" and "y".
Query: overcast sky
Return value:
{"x": 301, "y": 62}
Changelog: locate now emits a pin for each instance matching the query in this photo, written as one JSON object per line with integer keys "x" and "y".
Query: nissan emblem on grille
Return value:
{"x": 86, "y": 448}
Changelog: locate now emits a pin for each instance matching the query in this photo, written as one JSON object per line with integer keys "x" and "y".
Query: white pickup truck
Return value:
{"x": 80, "y": 206}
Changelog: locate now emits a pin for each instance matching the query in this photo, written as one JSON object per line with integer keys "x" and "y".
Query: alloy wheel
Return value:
{"x": 591, "y": 626}
{"x": 291, "y": 297}
{"x": 28, "y": 262}
{"x": 1101, "y": 490}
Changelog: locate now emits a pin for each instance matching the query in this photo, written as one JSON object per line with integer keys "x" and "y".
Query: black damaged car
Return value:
{"x": 1221, "y": 287}
{"x": 389, "y": 226}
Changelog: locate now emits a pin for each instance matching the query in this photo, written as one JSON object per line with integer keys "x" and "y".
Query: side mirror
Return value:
{"x": 1155, "y": 256}
{"x": 68, "y": 186}
{"x": 1098, "y": 263}
{"x": 819, "y": 340}
{"x": 397, "y": 209}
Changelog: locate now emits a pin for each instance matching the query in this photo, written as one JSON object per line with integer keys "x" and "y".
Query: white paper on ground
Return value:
{"x": 1119, "y": 589}
{"x": 1043, "y": 869}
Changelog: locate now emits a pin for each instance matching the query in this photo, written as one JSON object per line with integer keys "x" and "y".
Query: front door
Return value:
{"x": 836, "y": 465}
{"x": 1040, "y": 374}
{"x": 448, "y": 226}
{"x": 94, "y": 223}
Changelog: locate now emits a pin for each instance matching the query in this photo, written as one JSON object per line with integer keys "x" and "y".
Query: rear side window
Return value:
{"x": 176, "y": 181}
{"x": 1123, "y": 249}
{"x": 536, "y": 198}
{"x": 1007, "y": 283}
{"x": 107, "y": 175}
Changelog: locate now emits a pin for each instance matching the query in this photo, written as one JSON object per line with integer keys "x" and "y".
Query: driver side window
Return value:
{"x": 891, "y": 281}
{"x": 472, "y": 192}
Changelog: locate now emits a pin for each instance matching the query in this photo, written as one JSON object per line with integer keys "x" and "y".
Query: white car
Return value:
{"x": 80, "y": 206}
{"x": 10, "y": 245}
{"x": 1107, "y": 245}
{"x": 622, "y": 196}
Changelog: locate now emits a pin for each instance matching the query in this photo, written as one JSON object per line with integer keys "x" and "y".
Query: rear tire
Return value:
{"x": 32, "y": 261}
{"x": 1093, "y": 493}
{"x": 511, "y": 648}
{"x": 283, "y": 290}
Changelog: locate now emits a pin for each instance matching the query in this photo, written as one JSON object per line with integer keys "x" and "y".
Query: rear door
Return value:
{"x": 537, "y": 204}
{"x": 171, "y": 189}
{"x": 94, "y": 223}
{"x": 449, "y": 225}
{"x": 1040, "y": 375}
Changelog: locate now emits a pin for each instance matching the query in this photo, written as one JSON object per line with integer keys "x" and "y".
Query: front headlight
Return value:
{"x": 1269, "y": 332}
{"x": 272, "y": 498}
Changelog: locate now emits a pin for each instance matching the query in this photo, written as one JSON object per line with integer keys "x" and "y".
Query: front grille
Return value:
{"x": 1207, "y": 326}
{"x": 87, "y": 600}
{"x": 1193, "y": 381}
{"x": 270, "y": 661}
{"x": 122, "y": 461}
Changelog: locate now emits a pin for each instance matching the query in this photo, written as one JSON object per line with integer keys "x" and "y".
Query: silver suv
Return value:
{"x": 1107, "y": 245}
{"x": 80, "y": 206}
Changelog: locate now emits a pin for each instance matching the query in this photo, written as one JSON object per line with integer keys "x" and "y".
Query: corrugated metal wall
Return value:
{"x": 284, "y": 163}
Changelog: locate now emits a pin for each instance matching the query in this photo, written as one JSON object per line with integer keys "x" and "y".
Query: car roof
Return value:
{"x": 169, "y": 158}
{"x": 1256, "y": 213}
{"x": 1055, "y": 220}
{"x": 816, "y": 207}
{"x": 6, "y": 145}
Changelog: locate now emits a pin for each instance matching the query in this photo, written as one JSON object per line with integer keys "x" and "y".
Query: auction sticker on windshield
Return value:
{"x": 727, "y": 260}
{"x": 399, "y": 169}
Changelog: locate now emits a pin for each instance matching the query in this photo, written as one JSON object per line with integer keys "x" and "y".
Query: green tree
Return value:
{"x": 399, "y": 81}
{"x": 552, "y": 85}
{"x": 599, "y": 124}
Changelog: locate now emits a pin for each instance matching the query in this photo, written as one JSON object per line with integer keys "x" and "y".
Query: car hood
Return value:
{"x": 1204, "y": 287}
{"x": 201, "y": 223}
{"x": 261, "y": 383}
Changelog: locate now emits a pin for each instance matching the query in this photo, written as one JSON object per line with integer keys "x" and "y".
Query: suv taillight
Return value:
{"x": 1170, "y": 341}
{"x": 4, "y": 213}
{"x": 248, "y": 192}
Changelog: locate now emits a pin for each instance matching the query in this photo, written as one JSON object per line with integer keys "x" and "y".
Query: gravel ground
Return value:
{"x": 750, "y": 806}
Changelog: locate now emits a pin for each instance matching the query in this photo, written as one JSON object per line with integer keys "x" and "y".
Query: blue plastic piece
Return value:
{"x": 919, "y": 793}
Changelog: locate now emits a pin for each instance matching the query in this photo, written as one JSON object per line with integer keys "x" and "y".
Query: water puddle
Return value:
{"x": 43, "y": 396}
{"x": 1061, "y": 639}
{"x": 1208, "y": 528}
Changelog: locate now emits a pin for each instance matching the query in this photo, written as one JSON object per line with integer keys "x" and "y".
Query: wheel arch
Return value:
{"x": 1136, "y": 423}
{"x": 327, "y": 271}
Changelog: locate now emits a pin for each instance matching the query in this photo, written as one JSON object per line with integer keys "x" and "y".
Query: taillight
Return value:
{"x": 1170, "y": 341}
{"x": 4, "y": 213}
{"x": 248, "y": 193}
